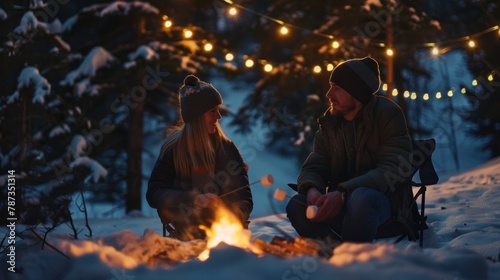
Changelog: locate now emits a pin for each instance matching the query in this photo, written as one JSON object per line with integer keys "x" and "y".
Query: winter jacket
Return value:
{"x": 166, "y": 189}
{"x": 382, "y": 144}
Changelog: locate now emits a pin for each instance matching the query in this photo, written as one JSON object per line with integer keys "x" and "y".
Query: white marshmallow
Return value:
{"x": 311, "y": 211}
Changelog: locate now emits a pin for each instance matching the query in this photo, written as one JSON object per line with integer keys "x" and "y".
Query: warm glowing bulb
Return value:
{"x": 317, "y": 69}
{"x": 232, "y": 11}
{"x": 168, "y": 23}
{"x": 268, "y": 67}
{"x": 463, "y": 91}
{"x": 329, "y": 67}
{"x": 474, "y": 82}
{"x": 188, "y": 33}
{"x": 406, "y": 94}
{"x": 435, "y": 51}
{"x": 413, "y": 95}
{"x": 284, "y": 30}
{"x": 384, "y": 87}
{"x": 472, "y": 43}
{"x": 426, "y": 96}
{"x": 229, "y": 56}
{"x": 249, "y": 63}
{"x": 438, "y": 95}
{"x": 208, "y": 47}
{"x": 450, "y": 93}
{"x": 335, "y": 44}
{"x": 490, "y": 78}
{"x": 394, "y": 92}
{"x": 389, "y": 52}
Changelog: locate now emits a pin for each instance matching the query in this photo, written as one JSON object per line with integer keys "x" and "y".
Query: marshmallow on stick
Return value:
{"x": 311, "y": 211}
{"x": 279, "y": 194}
{"x": 267, "y": 180}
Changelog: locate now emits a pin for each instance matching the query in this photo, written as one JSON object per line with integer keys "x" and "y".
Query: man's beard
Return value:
{"x": 340, "y": 112}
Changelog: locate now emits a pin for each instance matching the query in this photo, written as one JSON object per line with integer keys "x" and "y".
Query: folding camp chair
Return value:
{"x": 411, "y": 222}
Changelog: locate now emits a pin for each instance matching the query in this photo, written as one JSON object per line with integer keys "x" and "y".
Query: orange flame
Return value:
{"x": 226, "y": 228}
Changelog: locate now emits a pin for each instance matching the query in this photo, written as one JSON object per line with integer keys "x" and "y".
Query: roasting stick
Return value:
{"x": 266, "y": 180}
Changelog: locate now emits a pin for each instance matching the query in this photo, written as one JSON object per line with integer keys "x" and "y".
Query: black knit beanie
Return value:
{"x": 359, "y": 77}
{"x": 197, "y": 97}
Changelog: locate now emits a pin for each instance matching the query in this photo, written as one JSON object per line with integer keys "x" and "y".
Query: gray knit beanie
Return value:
{"x": 359, "y": 77}
{"x": 197, "y": 97}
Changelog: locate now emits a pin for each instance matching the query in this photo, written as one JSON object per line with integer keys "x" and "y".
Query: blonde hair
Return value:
{"x": 192, "y": 146}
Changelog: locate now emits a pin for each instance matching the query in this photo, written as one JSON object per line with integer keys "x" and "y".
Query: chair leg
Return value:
{"x": 422, "y": 218}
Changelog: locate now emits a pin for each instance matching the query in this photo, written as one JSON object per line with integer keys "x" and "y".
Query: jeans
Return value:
{"x": 364, "y": 210}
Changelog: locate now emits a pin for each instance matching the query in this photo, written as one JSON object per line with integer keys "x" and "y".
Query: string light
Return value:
{"x": 229, "y": 57}
{"x": 208, "y": 47}
{"x": 232, "y": 11}
{"x": 335, "y": 44}
{"x": 284, "y": 30}
{"x": 188, "y": 33}
{"x": 435, "y": 51}
{"x": 249, "y": 63}
{"x": 472, "y": 44}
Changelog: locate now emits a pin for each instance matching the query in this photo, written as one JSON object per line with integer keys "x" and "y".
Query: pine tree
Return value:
{"x": 97, "y": 71}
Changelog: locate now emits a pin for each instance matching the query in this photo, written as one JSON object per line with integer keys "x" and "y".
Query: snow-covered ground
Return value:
{"x": 462, "y": 242}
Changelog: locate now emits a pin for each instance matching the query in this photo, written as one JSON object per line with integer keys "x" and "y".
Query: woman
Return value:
{"x": 199, "y": 168}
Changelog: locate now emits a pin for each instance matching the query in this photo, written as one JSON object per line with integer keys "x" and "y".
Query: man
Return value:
{"x": 361, "y": 139}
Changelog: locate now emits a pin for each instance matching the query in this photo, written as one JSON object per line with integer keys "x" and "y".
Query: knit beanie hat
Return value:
{"x": 359, "y": 77}
{"x": 197, "y": 97}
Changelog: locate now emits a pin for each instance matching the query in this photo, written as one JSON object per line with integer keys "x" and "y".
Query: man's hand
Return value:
{"x": 329, "y": 206}
{"x": 312, "y": 196}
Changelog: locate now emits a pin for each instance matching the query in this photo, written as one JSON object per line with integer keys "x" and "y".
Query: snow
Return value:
{"x": 97, "y": 58}
{"x": 3, "y": 14}
{"x": 97, "y": 171}
{"x": 462, "y": 241}
{"x": 30, "y": 78}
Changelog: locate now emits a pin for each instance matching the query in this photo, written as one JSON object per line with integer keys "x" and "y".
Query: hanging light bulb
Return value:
{"x": 208, "y": 47}
{"x": 335, "y": 44}
{"x": 474, "y": 82}
{"x": 284, "y": 30}
{"x": 472, "y": 43}
{"x": 229, "y": 57}
{"x": 168, "y": 23}
{"x": 389, "y": 52}
{"x": 438, "y": 95}
{"x": 188, "y": 33}
{"x": 463, "y": 91}
{"x": 490, "y": 78}
{"x": 268, "y": 67}
{"x": 413, "y": 95}
{"x": 232, "y": 11}
{"x": 435, "y": 51}
{"x": 426, "y": 96}
{"x": 384, "y": 87}
{"x": 406, "y": 94}
{"x": 249, "y": 63}
{"x": 450, "y": 93}
{"x": 329, "y": 67}
{"x": 317, "y": 69}
{"x": 395, "y": 92}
